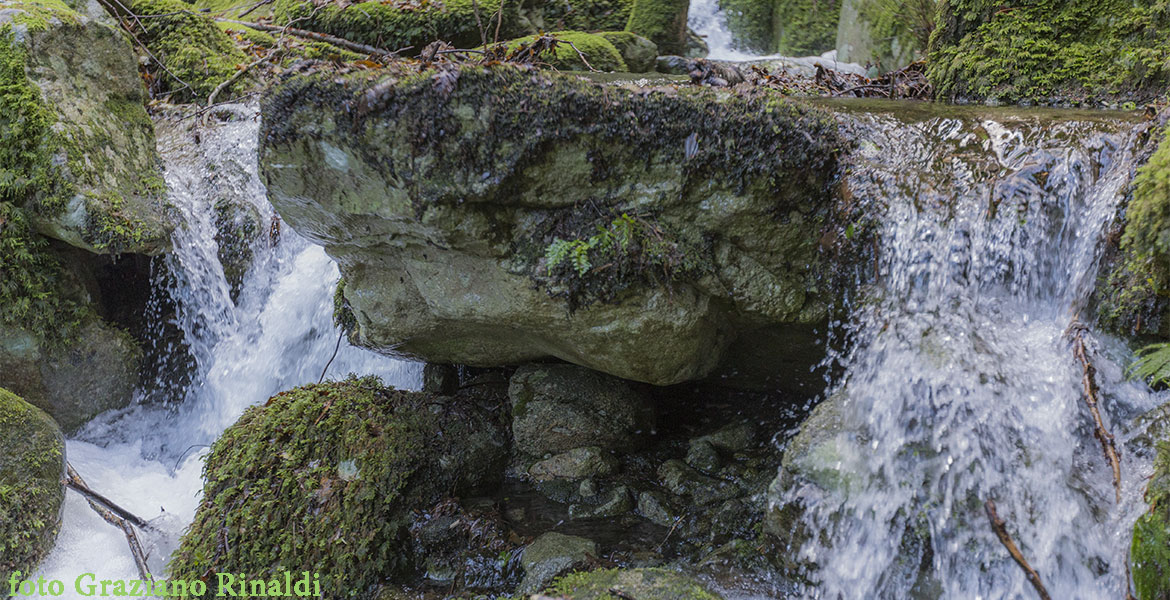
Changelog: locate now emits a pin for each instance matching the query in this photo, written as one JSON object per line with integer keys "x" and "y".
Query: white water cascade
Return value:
{"x": 961, "y": 385}
{"x": 279, "y": 334}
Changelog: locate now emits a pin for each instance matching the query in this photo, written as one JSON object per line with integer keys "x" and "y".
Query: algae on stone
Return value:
{"x": 327, "y": 478}
{"x": 32, "y": 464}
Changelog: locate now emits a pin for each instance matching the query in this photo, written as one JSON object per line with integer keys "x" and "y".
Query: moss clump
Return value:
{"x": 639, "y": 53}
{"x": 27, "y": 170}
{"x": 30, "y": 282}
{"x": 804, "y": 27}
{"x": 191, "y": 47}
{"x": 644, "y": 584}
{"x": 1150, "y": 552}
{"x": 297, "y": 48}
{"x": 326, "y": 478}
{"x": 393, "y": 26}
{"x": 1051, "y": 51}
{"x": 663, "y": 22}
{"x": 32, "y": 462}
{"x": 750, "y": 24}
{"x": 601, "y": 54}
{"x": 343, "y": 316}
{"x": 580, "y": 15}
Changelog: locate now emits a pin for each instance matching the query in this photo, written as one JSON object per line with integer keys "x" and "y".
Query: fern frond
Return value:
{"x": 1152, "y": 364}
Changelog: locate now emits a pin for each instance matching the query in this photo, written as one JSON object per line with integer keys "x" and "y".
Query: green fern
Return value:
{"x": 1152, "y": 364}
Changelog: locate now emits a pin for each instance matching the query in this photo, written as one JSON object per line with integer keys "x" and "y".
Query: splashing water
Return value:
{"x": 961, "y": 385}
{"x": 709, "y": 22}
{"x": 280, "y": 334}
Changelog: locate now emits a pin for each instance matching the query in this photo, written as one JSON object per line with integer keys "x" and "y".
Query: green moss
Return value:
{"x": 391, "y": 26}
{"x": 638, "y": 52}
{"x": 1150, "y": 552}
{"x": 644, "y": 584}
{"x": 899, "y": 30}
{"x": 1051, "y": 51}
{"x": 27, "y": 169}
{"x": 583, "y": 15}
{"x": 31, "y": 467}
{"x": 663, "y": 22}
{"x": 601, "y": 54}
{"x": 343, "y": 316}
{"x": 805, "y": 27}
{"x": 750, "y": 24}
{"x": 297, "y": 48}
{"x": 30, "y": 280}
{"x": 326, "y": 478}
{"x": 197, "y": 54}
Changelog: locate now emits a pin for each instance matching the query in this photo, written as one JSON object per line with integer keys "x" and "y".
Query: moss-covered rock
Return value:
{"x": 494, "y": 216}
{"x": 1150, "y": 551}
{"x": 597, "y": 50}
{"x": 576, "y": 15}
{"x": 888, "y": 34}
{"x": 197, "y": 55}
{"x": 553, "y": 554}
{"x": 1050, "y": 51}
{"x": 76, "y": 145}
{"x": 638, "y": 52}
{"x": 392, "y": 26}
{"x": 643, "y": 584}
{"x": 328, "y": 478}
{"x": 32, "y": 464}
{"x": 663, "y": 22}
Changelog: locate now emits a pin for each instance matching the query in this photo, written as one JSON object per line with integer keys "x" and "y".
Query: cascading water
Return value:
{"x": 279, "y": 334}
{"x": 961, "y": 385}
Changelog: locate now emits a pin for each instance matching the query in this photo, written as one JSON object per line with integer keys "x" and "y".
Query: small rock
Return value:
{"x": 618, "y": 502}
{"x": 588, "y": 489}
{"x": 703, "y": 456}
{"x": 737, "y": 437}
{"x": 551, "y": 555}
{"x": 673, "y": 65}
{"x": 657, "y": 509}
{"x": 682, "y": 480}
{"x": 577, "y": 463}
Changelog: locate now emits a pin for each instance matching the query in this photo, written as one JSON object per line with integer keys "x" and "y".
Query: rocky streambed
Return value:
{"x": 669, "y": 339}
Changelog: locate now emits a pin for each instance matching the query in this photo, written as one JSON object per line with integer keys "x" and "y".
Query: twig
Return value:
{"x": 255, "y": 6}
{"x": 997, "y": 524}
{"x": 580, "y": 54}
{"x": 677, "y": 520}
{"x": 479, "y": 24}
{"x": 335, "y": 349}
{"x": 317, "y": 37}
{"x": 117, "y": 521}
{"x": 75, "y": 483}
{"x": 236, "y": 77}
{"x": 1089, "y": 384}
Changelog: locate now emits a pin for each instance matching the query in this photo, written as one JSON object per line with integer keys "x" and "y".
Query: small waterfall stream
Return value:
{"x": 279, "y": 334}
{"x": 961, "y": 385}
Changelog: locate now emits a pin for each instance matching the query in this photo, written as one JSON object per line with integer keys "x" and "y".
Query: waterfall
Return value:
{"x": 961, "y": 385}
{"x": 278, "y": 334}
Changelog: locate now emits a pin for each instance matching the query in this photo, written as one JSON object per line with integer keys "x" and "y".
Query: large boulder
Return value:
{"x": 76, "y": 145}
{"x": 32, "y": 465}
{"x": 1050, "y": 51}
{"x": 333, "y": 479}
{"x": 496, "y": 216}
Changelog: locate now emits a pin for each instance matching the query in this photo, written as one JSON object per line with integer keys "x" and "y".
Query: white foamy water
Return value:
{"x": 148, "y": 458}
{"x": 962, "y": 385}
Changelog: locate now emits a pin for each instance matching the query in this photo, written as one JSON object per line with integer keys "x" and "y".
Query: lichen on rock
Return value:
{"x": 32, "y": 464}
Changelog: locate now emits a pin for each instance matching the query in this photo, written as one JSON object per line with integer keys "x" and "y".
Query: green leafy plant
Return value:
{"x": 1152, "y": 364}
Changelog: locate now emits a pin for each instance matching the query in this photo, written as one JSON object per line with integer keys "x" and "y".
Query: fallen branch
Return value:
{"x": 997, "y": 524}
{"x": 1089, "y": 383}
{"x": 317, "y": 37}
{"x": 77, "y": 483}
{"x": 236, "y": 77}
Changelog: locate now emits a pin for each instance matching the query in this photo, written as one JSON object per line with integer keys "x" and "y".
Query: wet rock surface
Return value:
{"x": 32, "y": 465}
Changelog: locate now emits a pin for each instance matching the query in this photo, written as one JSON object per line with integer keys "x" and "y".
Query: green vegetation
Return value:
{"x": 197, "y": 54}
{"x": 393, "y": 26}
{"x": 750, "y": 23}
{"x": 639, "y": 53}
{"x": 327, "y": 478}
{"x": 1150, "y": 551}
{"x": 31, "y": 466}
{"x": 644, "y": 584}
{"x": 663, "y": 22}
{"x": 30, "y": 280}
{"x": 584, "y": 15}
{"x": 805, "y": 27}
{"x": 601, "y": 54}
{"x": 899, "y": 29}
{"x": 1051, "y": 51}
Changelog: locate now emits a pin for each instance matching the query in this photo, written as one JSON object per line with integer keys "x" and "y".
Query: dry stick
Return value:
{"x": 112, "y": 7}
{"x": 317, "y": 37}
{"x": 579, "y": 54}
{"x": 997, "y": 524}
{"x": 234, "y": 78}
{"x": 479, "y": 24}
{"x": 255, "y": 6}
{"x": 1089, "y": 383}
{"x": 117, "y": 521}
{"x": 75, "y": 483}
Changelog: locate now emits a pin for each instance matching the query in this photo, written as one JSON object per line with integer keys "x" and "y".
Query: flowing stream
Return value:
{"x": 961, "y": 385}
{"x": 279, "y": 334}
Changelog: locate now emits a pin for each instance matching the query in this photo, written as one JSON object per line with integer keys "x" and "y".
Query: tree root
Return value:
{"x": 998, "y": 525}
{"x": 1089, "y": 383}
